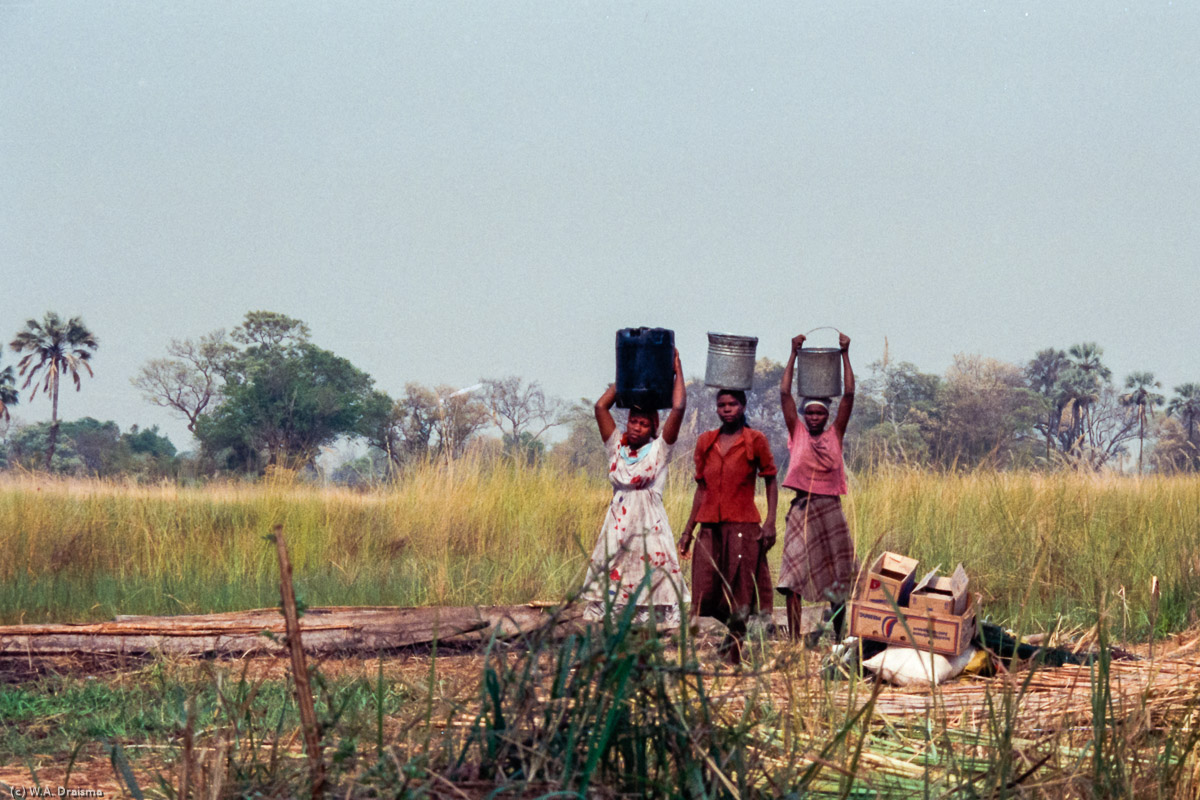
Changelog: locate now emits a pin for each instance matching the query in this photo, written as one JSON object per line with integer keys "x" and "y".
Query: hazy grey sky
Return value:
{"x": 445, "y": 191}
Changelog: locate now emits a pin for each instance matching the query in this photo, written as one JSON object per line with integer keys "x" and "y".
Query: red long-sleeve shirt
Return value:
{"x": 729, "y": 477}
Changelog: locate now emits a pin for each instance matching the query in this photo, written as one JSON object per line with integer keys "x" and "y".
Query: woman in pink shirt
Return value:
{"x": 818, "y": 554}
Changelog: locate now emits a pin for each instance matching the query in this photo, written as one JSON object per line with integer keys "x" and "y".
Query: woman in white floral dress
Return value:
{"x": 636, "y": 537}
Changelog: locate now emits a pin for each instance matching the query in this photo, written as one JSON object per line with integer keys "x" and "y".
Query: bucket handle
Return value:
{"x": 823, "y": 328}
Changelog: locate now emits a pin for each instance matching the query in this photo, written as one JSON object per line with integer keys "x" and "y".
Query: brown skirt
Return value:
{"x": 730, "y": 575}
{"x": 818, "y": 553}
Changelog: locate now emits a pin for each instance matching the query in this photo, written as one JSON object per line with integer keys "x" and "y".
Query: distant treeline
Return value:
{"x": 263, "y": 395}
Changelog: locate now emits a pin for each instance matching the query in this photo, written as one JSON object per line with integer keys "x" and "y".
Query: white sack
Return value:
{"x": 905, "y": 666}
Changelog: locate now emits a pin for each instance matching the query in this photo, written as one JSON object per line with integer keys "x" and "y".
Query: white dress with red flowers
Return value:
{"x": 636, "y": 538}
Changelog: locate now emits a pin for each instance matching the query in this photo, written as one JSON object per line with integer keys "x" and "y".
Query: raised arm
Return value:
{"x": 670, "y": 431}
{"x": 604, "y": 417}
{"x": 785, "y": 386}
{"x": 847, "y": 405}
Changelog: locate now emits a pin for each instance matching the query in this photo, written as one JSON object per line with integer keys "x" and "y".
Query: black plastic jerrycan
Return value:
{"x": 645, "y": 367}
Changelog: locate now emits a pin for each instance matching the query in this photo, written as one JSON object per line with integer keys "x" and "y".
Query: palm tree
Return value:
{"x": 8, "y": 391}
{"x": 1043, "y": 373}
{"x": 1086, "y": 356}
{"x": 1077, "y": 390}
{"x": 1087, "y": 377}
{"x": 1186, "y": 405}
{"x": 1145, "y": 400}
{"x": 57, "y": 347}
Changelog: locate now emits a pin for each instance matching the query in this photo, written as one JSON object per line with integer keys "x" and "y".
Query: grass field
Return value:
{"x": 1040, "y": 548}
{"x": 612, "y": 712}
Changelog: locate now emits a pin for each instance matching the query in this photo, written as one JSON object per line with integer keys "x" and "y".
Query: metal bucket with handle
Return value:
{"x": 819, "y": 370}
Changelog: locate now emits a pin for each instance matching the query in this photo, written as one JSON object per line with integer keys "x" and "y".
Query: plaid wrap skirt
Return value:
{"x": 818, "y": 554}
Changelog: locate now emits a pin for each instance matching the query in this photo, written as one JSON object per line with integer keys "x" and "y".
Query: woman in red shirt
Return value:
{"x": 818, "y": 554}
{"x": 730, "y": 575}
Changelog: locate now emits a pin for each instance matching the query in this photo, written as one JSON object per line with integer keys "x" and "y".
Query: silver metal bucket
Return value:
{"x": 730, "y": 361}
{"x": 819, "y": 372}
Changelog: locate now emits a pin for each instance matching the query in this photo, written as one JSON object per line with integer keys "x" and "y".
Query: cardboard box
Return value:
{"x": 948, "y": 635}
{"x": 892, "y": 575}
{"x": 935, "y": 594}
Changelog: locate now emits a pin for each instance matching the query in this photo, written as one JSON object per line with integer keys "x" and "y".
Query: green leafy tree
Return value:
{"x": 28, "y": 445}
{"x": 148, "y": 453}
{"x": 283, "y": 398}
{"x": 269, "y": 330}
{"x": 54, "y": 348}
{"x": 1142, "y": 400}
{"x": 283, "y": 406}
{"x": 986, "y": 413}
{"x": 981, "y": 411}
{"x": 148, "y": 442}
{"x": 906, "y": 393}
{"x": 87, "y": 446}
{"x": 527, "y": 450}
{"x": 98, "y": 444}
{"x": 895, "y": 415}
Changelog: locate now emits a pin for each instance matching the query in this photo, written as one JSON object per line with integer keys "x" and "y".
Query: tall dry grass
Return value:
{"x": 1043, "y": 545}
{"x": 1037, "y": 546}
{"x": 73, "y": 549}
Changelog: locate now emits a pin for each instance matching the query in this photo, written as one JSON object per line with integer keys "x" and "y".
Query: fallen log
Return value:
{"x": 323, "y": 631}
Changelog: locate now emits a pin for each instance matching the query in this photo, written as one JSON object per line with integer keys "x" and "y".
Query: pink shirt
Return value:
{"x": 816, "y": 464}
